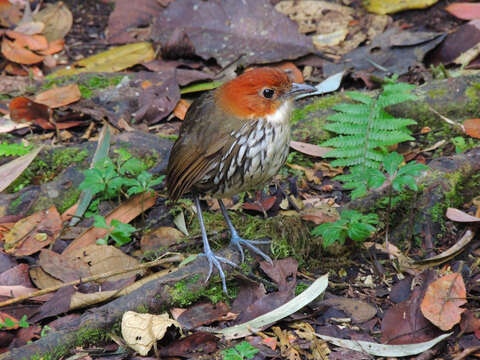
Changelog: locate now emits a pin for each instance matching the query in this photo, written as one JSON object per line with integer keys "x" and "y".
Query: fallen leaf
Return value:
{"x": 309, "y": 149}
{"x": 464, "y": 11}
{"x": 359, "y": 310}
{"x": 33, "y": 42}
{"x": 163, "y": 237}
{"x": 15, "y": 168}
{"x": 33, "y": 233}
{"x": 472, "y": 127}
{"x": 112, "y": 60}
{"x": 470, "y": 322}
{"x": 442, "y": 301}
{"x": 199, "y": 342}
{"x": 59, "y": 96}
{"x": 10, "y": 14}
{"x": 53, "y": 47}
{"x": 460, "y": 216}
{"x": 140, "y": 331}
{"x": 181, "y": 109}
{"x": 219, "y": 30}
{"x": 24, "y": 110}
{"x": 15, "y": 52}
{"x": 57, "y": 19}
{"x": 262, "y": 205}
{"x": 393, "y": 6}
{"x": 203, "y": 314}
{"x": 292, "y": 71}
{"x": 125, "y": 213}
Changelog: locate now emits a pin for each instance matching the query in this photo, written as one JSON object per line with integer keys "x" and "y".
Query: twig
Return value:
{"x": 175, "y": 258}
{"x": 447, "y": 120}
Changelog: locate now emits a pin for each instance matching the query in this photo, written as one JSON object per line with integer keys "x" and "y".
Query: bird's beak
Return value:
{"x": 298, "y": 89}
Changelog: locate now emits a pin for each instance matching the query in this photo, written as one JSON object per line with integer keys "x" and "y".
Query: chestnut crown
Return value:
{"x": 256, "y": 93}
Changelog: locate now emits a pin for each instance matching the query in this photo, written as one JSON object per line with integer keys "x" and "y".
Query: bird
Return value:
{"x": 233, "y": 139}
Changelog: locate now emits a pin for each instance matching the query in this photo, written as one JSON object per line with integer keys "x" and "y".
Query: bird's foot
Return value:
{"x": 250, "y": 244}
{"x": 217, "y": 260}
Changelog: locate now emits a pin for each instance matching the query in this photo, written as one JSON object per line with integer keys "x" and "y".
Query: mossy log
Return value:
{"x": 455, "y": 98}
{"x": 154, "y": 297}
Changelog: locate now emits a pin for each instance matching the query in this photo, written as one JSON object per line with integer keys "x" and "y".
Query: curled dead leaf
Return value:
{"x": 57, "y": 18}
{"x": 442, "y": 301}
{"x": 15, "y": 52}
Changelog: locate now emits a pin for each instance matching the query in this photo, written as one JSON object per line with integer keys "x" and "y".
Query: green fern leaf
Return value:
{"x": 7, "y": 149}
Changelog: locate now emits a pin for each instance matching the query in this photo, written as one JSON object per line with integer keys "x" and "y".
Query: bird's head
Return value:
{"x": 258, "y": 93}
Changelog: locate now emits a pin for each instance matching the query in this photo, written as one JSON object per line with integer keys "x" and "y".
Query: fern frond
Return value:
{"x": 358, "y": 96}
{"x": 359, "y": 109}
{"x": 344, "y": 141}
{"x": 364, "y": 131}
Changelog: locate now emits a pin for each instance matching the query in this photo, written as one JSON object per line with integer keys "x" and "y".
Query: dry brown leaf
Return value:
{"x": 15, "y": 52}
{"x": 24, "y": 110}
{"x": 124, "y": 213}
{"x": 33, "y": 233}
{"x": 33, "y": 42}
{"x": 472, "y": 127}
{"x": 442, "y": 301}
{"x": 181, "y": 109}
{"x": 59, "y": 96}
{"x": 53, "y": 47}
{"x": 57, "y": 18}
{"x": 141, "y": 331}
{"x": 460, "y": 216}
{"x": 13, "y": 169}
{"x": 104, "y": 258}
{"x": 309, "y": 149}
{"x": 292, "y": 71}
{"x": 163, "y": 237}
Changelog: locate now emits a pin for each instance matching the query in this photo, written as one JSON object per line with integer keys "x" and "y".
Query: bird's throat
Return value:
{"x": 281, "y": 115}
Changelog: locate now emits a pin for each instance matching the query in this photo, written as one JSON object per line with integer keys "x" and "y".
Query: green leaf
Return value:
{"x": 13, "y": 149}
{"x": 8, "y": 322}
{"x": 359, "y": 231}
{"x": 246, "y": 350}
{"x": 99, "y": 222}
{"x": 392, "y": 162}
{"x": 23, "y": 322}
{"x": 231, "y": 354}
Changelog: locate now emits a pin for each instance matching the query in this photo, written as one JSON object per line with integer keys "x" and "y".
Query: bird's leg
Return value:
{"x": 239, "y": 241}
{"x": 207, "y": 251}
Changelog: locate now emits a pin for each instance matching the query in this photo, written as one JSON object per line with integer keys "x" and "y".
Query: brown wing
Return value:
{"x": 204, "y": 135}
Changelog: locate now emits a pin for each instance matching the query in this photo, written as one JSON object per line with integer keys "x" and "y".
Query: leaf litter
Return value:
{"x": 187, "y": 63}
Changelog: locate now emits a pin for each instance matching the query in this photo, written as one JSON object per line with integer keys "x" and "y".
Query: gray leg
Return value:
{"x": 238, "y": 241}
{"x": 207, "y": 251}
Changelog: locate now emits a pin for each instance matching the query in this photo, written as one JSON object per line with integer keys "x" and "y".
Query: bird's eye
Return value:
{"x": 268, "y": 93}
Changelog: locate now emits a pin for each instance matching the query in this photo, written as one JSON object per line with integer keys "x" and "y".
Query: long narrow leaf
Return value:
{"x": 13, "y": 169}
{"x": 86, "y": 196}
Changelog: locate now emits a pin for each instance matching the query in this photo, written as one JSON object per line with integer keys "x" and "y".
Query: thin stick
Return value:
{"x": 175, "y": 258}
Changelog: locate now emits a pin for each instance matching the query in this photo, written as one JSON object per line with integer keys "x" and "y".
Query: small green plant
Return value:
{"x": 357, "y": 226}
{"x": 9, "y": 323}
{"x": 462, "y": 144}
{"x": 352, "y": 224}
{"x": 240, "y": 352}
{"x": 108, "y": 179}
{"x": 365, "y": 131}
{"x": 119, "y": 232}
{"x": 13, "y": 149}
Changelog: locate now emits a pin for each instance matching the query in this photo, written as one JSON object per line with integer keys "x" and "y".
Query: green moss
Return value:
{"x": 13, "y": 206}
{"x": 142, "y": 309}
{"x": 182, "y": 295}
{"x": 83, "y": 337}
{"x": 68, "y": 199}
{"x": 86, "y": 84}
{"x": 435, "y": 93}
{"x": 172, "y": 137}
{"x": 322, "y": 103}
{"x": 45, "y": 168}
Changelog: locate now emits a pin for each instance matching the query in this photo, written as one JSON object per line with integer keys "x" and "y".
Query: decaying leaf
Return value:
{"x": 309, "y": 149}
{"x": 464, "y": 10}
{"x": 59, "y": 96}
{"x": 141, "y": 331}
{"x": 472, "y": 127}
{"x": 24, "y": 110}
{"x": 442, "y": 301}
{"x": 15, "y": 52}
{"x": 57, "y": 19}
{"x": 115, "y": 59}
{"x": 393, "y": 6}
{"x": 14, "y": 168}
{"x": 33, "y": 233}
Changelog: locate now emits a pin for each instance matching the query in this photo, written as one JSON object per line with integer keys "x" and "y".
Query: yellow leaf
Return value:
{"x": 383, "y": 7}
{"x": 115, "y": 59}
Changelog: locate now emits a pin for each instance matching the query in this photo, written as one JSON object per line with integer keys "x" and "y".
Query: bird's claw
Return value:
{"x": 239, "y": 241}
{"x": 217, "y": 260}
